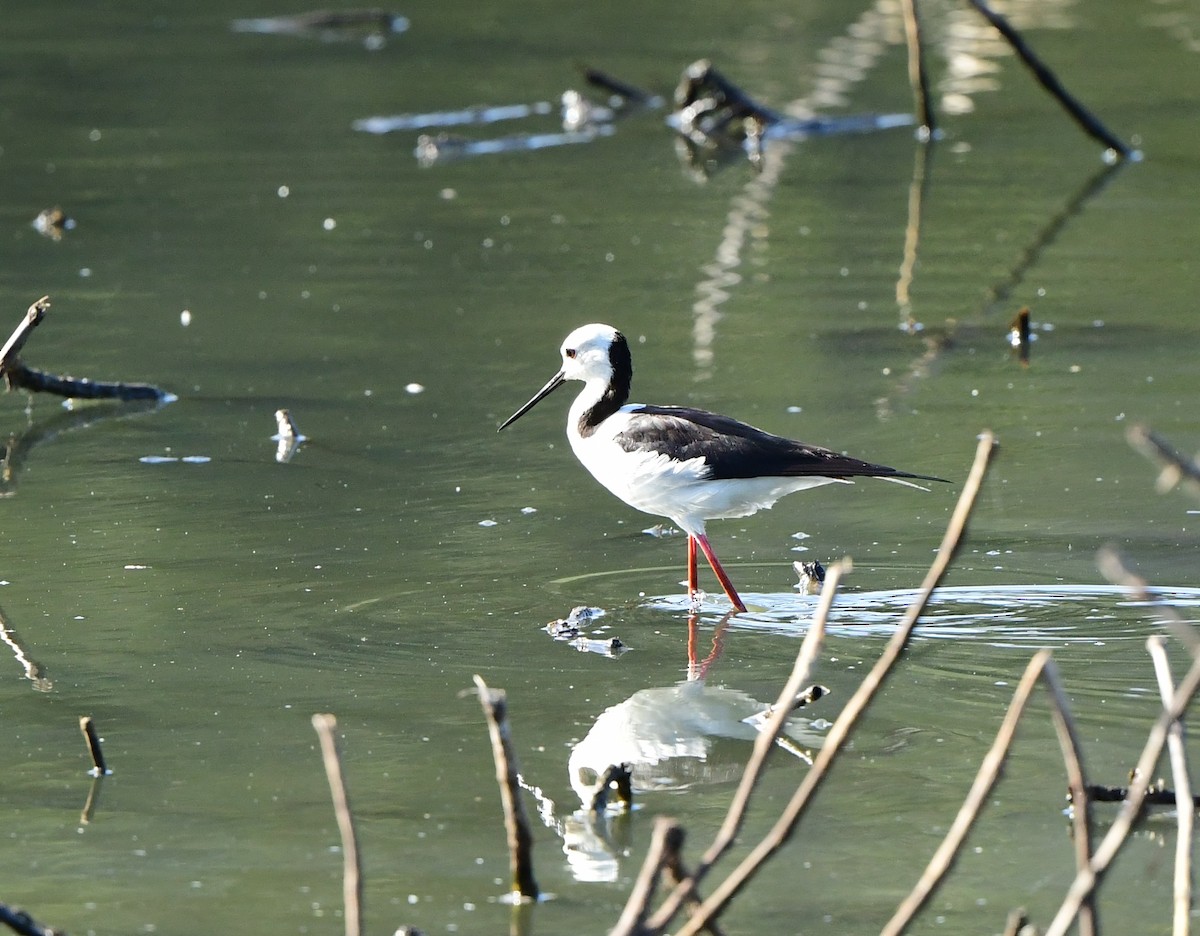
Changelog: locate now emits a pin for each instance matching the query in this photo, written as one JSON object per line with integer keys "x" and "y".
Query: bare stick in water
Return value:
{"x": 88, "y": 727}
{"x": 917, "y": 75}
{"x": 326, "y": 725}
{"x": 1048, "y": 80}
{"x": 1183, "y": 789}
{"x": 520, "y": 839}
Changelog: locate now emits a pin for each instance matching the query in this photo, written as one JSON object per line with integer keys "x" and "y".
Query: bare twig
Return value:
{"x": 325, "y": 726}
{"x": 1087, "y": 879}
{"x": 520, "y": 839}
{"x": 1047, "y": 79}
{"x": 857, "y": 704}
{"x": 1041, "y": 667}
{"x": 917, "y": 75}
{"x": 667, "y": 836}
{"x": 1183, "y": 791}
{"x": 88, "y": 727}
{"x": 16, "y": 341}
{"x": 1175, "y": 467}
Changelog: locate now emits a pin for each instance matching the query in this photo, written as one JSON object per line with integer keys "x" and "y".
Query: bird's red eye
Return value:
{"x": 569, "y": 352}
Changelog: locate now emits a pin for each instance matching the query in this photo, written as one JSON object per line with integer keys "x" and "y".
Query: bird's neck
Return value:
{"x": 596, "y": 402}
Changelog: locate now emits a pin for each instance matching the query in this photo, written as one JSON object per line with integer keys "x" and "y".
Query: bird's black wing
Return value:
{"x": 732, "y": 449}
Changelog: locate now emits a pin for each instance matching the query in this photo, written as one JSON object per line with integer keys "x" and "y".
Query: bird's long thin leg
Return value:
{"x": 711, "y": 556}
{"x": 693, "y": 578}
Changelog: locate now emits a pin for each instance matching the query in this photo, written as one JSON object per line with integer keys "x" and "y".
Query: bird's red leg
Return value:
{"x": 730, "y": 591}
{"x": 693, "y": 578}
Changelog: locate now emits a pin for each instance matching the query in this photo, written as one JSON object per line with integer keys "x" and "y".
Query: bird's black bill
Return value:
{"x": 554, "y": 383}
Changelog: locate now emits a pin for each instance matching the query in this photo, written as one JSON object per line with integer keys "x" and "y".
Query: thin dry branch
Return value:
{"x": 667, "y": 837}
{"x": 1176, "y": 468}
{"x": 1042, "y": 668}
{"x": 1183, "y": 792}
{"x": 88, "y": 727}
{"x": 858, "y": 703}
{"x": 16, "y": 341}
{"x": 1048, "y": 80}
{"x": 516, "y": 823}
{"x": 917, "y": 75}
{"x": 1087, "y": 879}
{"x": 326, "y": 726}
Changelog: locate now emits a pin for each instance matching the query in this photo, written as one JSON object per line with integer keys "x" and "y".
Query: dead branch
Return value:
{"x": 667, "y": 836}
{"x": 1047, "y": 79}
{"x": 1088, "y": 878}
{"x": 19, "y": 376}
{"x": 1183, "y": 791}
{"x": 88, "y": 727}
{"x": 1176, "y": 468}
{"x": 325, "y": 726}
{"x": 917, "y": 75}
{"x": 516, "y": 823}
{"x": 1041, "y": 667}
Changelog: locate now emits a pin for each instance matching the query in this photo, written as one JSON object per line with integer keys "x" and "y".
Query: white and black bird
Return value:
{"x": 685, "y": 464}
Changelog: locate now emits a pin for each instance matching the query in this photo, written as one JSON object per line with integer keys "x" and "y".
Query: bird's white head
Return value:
{"x": 599, "y": 356}
{"x": 587, "y": 353}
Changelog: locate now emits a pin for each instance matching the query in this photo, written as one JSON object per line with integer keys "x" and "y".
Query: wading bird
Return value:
{"x": 685, "y": 464}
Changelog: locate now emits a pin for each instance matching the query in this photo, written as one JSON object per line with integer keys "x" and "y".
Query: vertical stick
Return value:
{"x": 516, "y": 824}
{"x": 1183, "y": 791}
{"x": 917, "y": 76}
{"x": 99, "y": 768}
{"x": 326, "y": 725}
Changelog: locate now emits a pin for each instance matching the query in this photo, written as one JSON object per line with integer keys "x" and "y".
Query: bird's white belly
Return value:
{"x": 662, "y": 486}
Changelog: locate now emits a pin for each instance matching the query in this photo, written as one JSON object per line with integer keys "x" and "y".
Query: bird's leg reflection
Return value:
{"x": 698, "y": 669}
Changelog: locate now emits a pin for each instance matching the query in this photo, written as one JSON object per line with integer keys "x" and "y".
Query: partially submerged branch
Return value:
{"x": 19, "y": 376}
{"x": 1047, "y": 79}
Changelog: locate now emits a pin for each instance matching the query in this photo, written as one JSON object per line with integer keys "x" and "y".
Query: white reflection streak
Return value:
{"x": 969, "y": 46}
{"x": 844, "y": 62}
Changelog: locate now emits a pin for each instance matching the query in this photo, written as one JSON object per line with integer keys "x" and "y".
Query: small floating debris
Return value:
{"x": 569, "y": 628}
{"x": 288, "y": 436}
{"x": 612, "y": 647}
{"x": 802, "y": 698}
{"x": 1020, "y": 337}
{"x": 489, "y": 523}
{"x": 370, "y": 26}
{"x": 53, "y": 223}
{"x": 659, "y": 530}
{"x": 812, "y": 576}
{"x": 414, "y": 388}
{"x": 528, "y": 510}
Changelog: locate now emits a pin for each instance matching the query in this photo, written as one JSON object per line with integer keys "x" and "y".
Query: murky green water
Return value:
{"x": 202, "y": 611}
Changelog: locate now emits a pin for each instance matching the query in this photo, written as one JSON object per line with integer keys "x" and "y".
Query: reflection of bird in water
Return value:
{"x": 685, "y": 464}
{"x": 672, "y": 737}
